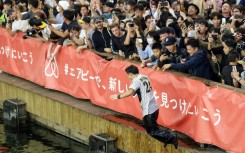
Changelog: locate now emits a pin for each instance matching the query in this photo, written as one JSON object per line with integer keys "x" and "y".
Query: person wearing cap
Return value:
{"x": 227, "y": 79}
{"x": 107, "y": 10}
{"x": 240, "y": 78}
{"x": 7, "y": 4}
{"x": 173, "y": 52}
{"x": 61, "y": 7}
{"x": 42, "y": 30}
{"x": 197, "y": 64}
{"x": 101, "y": 37}
{"x": 15, "y": 23}
{"x": 193, "y": 11}
{"x": 33, "y": 10}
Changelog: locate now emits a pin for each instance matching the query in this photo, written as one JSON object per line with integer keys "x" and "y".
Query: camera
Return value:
{"x": 214, "y": 37}
{"x": 131, "y": 25}
{"x": 30, "y": 33}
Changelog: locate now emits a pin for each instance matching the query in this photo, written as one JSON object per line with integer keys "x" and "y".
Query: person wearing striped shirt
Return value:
{"x": 141, "y": 86}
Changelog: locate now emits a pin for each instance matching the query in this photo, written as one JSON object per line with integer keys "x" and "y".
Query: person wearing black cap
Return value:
{"x": 7, "y": 4}
{"x": 173, "y": 52}
{"x": 107, "y": 10}
{"x": 197, "y": 64}
{"x": 101, "y": 37}
{"x": 193, "y": 11}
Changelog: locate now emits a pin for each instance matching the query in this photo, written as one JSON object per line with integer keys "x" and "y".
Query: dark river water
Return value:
{"x": 36, "y": 139}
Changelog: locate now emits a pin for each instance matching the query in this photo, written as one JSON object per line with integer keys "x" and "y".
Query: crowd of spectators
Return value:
{"x": 204, "y": 38}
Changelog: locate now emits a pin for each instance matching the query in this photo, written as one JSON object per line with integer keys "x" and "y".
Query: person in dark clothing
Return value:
{"x": 139, "y": 11}
{"x": 233, "y": 57}
{"x": 197, "y": 64}
{"x": 173, "y": 51}
{"x": 33, "y": 11}
{"x": 229, "y": 46}
{"x": 141, "y": 86}
{"x": 101, "y": 37}
{"x": 118, "y": 38}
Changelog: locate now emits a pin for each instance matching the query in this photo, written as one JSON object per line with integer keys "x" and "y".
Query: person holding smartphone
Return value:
{"x": 227, "y": 78}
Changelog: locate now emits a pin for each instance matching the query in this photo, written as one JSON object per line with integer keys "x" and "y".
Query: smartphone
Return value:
{"x": 164, "y": 3}
{"x": 234, "y": 69}
{"x": 223, "y": 21}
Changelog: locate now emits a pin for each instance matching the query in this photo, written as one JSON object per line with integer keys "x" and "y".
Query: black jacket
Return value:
{"x": 197, "y": 65}
{"x": 101, "y": 40}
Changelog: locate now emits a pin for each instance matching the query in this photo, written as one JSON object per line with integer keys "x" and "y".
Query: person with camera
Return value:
{"x": 197, "y": 64}
{"x": 150, "y": 24}
{"x": 40, "y": 31}
{"x": 141, "y": 86}
{"x": 237, "y": 16}
{"x": 134, "y": 36}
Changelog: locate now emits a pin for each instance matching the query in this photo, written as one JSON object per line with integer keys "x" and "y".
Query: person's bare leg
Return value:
{"x": 49, "y": 50}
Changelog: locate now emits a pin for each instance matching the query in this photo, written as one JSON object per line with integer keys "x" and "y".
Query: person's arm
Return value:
{"x": 188, "y": 64}
{"x": 143, "y": 54}
{"x": 127, "y": 40}
{"x": 58, "y": 32}
{"x": 236, "y": 76}
{"x": 123, "y": 95}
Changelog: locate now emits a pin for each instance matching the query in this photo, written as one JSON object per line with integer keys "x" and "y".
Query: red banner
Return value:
{"x": 212, "y": 115}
